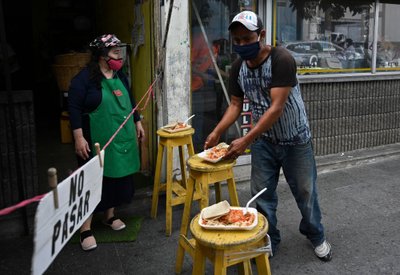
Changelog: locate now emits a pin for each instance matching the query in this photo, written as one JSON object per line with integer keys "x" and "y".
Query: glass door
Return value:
{"x": 211, "y": 59}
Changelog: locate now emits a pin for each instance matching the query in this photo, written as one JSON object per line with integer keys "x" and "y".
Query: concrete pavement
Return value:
{"x": 359, "y": 194}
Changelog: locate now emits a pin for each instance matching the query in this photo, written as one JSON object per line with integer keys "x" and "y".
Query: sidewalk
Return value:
{"x": 359, "y": 195}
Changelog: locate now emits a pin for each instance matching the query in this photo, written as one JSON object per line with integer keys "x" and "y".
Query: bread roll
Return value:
{"x": 216, "y": 210}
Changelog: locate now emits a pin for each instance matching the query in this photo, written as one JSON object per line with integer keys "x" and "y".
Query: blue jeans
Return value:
{"x": 300, "y": 171}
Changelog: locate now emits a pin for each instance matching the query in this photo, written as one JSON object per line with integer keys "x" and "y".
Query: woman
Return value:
{"x": 99, "y": 101}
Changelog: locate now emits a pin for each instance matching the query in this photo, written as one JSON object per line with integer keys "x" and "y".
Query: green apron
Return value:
{"x": 121, "y": 156}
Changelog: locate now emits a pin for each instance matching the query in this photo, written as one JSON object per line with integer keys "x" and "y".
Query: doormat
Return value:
{"x": 104, "y": 234}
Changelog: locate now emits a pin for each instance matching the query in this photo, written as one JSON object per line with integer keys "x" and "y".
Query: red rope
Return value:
{"x": 23, "y": 203}
{"x": 11, "y": 209}
{"x": 147, "y": 94}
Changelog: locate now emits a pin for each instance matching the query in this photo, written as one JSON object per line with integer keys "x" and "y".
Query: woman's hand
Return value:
{"x": 82, "y": 148}
{"x": 140, "y": 131}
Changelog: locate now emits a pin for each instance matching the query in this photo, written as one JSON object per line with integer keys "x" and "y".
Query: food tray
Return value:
{"x": 232, "y": 227}
{"x": 168, "y": 127}
{"x": 203, "y": 155}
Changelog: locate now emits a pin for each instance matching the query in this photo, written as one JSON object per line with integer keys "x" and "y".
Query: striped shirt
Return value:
{"x": 255, "y": 84}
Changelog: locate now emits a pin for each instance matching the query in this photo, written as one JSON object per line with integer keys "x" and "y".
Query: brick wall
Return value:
{"x": 352, "y": 114}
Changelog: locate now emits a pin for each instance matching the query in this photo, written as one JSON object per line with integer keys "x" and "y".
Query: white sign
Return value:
{"x": 78, "y": 196}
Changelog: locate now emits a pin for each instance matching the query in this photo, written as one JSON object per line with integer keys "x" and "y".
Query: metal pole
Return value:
{"x": 375, "y": 41}
{"x": 167, "y": 24}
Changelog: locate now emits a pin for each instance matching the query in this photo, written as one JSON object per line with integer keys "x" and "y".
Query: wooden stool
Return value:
{"x": 226, "y": 248}
{"x": 175, "y": 191}
{"x": 201, "y": 175}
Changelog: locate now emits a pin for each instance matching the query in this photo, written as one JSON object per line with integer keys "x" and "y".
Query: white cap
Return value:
{"x": 248, "y": 19}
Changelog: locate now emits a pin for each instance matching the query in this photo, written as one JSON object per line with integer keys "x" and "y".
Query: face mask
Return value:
{"x": 115, "y": 64}
{"x": 248, "y": 51}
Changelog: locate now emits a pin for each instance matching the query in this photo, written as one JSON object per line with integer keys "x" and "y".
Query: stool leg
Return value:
{"x": 245, "y": 268}
{"x": 156, "y": 188}
{"x": 169, "y": 191}
{"x": 184, "y": 224}
{"x": 262, "y": 262}
{"x": 217, "y": 187}
{"x": 190, "y": 147}
{"x": 204, "y": 191}
{"x": 199, "y": 262}
{"x": 232, "y": 192}
{"x": 188, "y": 206}
{"x": 183, "y": 168}
{"x": 219, "y": 263}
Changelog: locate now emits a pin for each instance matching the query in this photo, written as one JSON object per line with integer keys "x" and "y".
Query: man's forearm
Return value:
{"x": 231, "y": 115}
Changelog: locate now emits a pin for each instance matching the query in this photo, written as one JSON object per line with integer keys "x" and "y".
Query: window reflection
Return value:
{"x": 208, "y": 96}
{"x": 388, "y": 45}
{"x": 326, "y": 38}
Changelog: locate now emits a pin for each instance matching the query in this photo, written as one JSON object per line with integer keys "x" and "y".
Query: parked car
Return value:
{"x": 316, "y": 53}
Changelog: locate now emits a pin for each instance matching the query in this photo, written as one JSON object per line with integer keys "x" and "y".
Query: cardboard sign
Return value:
{"x": 78, "y": 196}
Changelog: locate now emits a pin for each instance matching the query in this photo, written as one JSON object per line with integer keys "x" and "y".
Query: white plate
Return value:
{"x": 203, "y": 155}
{"x": 168, "y": 128}
{"x": 232, "y": 227}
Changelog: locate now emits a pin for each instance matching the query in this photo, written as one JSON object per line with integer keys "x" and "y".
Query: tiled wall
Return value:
{"x": 350, "y": 115}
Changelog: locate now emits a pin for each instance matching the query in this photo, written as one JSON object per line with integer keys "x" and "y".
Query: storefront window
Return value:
{"x": 209, "y": 83}
{"x": 388, "y": 46}
{"x": 325, "y": 37}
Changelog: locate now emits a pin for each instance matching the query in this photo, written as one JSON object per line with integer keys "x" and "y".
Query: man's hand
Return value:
{"x": 211, "y": 140}
{"x": 236, "y": 148}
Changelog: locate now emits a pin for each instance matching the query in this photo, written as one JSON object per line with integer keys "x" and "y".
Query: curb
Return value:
{"x": 349, "y": 159}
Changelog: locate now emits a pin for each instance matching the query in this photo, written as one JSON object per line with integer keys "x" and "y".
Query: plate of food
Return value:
{"x": 176, "y": 127}
{"x": 222, "y": 216}
{"x": 214, "y": 154}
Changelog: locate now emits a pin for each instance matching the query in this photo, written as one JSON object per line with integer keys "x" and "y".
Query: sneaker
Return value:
{"x": 323, "y": 251}
{"x": 88, "y": 242}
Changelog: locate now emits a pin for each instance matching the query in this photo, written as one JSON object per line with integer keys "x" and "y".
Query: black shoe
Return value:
{"x": 324, "y": 251}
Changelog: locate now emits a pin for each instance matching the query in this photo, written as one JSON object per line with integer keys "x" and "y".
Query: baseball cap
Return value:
{"x": 248, "y": 19}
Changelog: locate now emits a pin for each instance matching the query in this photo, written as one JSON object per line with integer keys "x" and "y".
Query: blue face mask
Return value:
{"x": 248, "y": 51}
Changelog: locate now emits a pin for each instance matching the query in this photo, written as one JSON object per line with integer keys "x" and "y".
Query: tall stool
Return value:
{"x": 201, "y": 175}
{"x": 175, "y": 190}
{"x": 227, "y": 248}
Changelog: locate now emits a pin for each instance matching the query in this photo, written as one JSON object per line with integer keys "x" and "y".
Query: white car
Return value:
{"x": 313, "y": 53}
{"x": 323, "y": 54}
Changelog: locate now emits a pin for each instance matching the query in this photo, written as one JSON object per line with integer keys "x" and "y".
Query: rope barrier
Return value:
{"x": 148, "y": 93}
{"x": 11, "y": 209}
{"x": 37, "y": 198}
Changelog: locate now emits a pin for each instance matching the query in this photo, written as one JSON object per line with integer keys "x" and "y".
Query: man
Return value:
{"x": 280, "y": 136}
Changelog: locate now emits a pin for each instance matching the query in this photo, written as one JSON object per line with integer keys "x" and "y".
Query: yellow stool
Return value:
{"x": 175, "y": 191}
{"x": 201, "y": 175}
{"x": 227, "y": 248}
